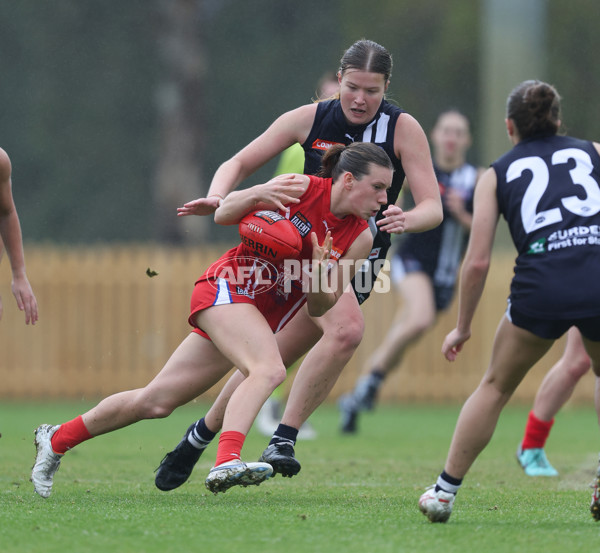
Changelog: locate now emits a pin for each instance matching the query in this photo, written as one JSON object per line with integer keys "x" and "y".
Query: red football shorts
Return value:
{"x": 213, "y": 292}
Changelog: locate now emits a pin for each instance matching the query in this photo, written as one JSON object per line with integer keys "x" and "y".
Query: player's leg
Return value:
{"x": 293, "y": 341}
{"x": 270, "y": 413}
{"x": 593, "y": 349}
{"x": 193, "y": 368}
{"x": 177, "y": 465}
{"x": 558, "y": 385}
{"x": 342, "y": 329}
{"x": 514, "y": 352}
{"x": 416, "y": 315}
{"x": 555, "y": 390}
{"x": 595, "y": 504}
{"x": 257, "y": 356}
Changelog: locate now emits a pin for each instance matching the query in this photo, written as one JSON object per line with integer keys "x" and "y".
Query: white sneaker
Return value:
{"x": 436, "y": 506}
{"x": 237, "y": 473}
{"x": 46, "y": 461}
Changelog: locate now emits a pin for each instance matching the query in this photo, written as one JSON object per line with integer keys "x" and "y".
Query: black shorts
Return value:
{"x": 552, "y": 329}
{"x": 405, "y": 264}
{"x": 365, "y": 277}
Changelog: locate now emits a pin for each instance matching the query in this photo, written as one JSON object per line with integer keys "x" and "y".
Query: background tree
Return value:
{"x": 115, "y": 112}
{"x": 182, "y": 125}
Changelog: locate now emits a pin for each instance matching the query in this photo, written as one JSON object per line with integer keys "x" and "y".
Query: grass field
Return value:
{"x": 354, "y": 493}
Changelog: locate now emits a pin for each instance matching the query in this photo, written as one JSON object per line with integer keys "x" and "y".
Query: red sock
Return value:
{"x": 230, "y": 446}
{"x": 536, "y": 432}
{"x": 69, "y": 435}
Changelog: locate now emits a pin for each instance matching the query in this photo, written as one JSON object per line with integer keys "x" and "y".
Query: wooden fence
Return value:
{"x": 106, "y": 326}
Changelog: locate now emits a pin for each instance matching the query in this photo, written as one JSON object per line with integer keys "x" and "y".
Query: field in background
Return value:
{"x": 354, "y": 493}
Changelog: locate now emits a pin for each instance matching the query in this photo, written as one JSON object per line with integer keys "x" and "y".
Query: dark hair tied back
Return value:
{"x": 534, "y": 106}
{"x": 366, "y": 55}
{"x": 354, "y": 158}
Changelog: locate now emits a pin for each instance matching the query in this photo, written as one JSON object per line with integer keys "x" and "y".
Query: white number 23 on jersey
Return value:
{"x": 580, "y": 174}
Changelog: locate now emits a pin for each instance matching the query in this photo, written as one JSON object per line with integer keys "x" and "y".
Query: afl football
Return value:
{"x": 269, "y": 235}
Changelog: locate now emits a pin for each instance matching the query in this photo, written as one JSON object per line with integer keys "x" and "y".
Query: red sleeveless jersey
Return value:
{"x": 277, "y": 291}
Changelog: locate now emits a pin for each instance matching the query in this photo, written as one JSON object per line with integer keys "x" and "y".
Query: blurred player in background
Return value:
{"x": 424, "y": 266}
{"x": 360, "y": 114}
{"x": 11, "y": 240}
{"x": 547, "y": 188}
{"x": 234, "y": 325}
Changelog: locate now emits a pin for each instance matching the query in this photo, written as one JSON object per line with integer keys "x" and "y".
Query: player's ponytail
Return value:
{"x": 354, "y": 158}
{"x": 534, "y": 106}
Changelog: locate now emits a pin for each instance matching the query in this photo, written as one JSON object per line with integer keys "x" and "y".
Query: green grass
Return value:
{"x": 354, "y": 493}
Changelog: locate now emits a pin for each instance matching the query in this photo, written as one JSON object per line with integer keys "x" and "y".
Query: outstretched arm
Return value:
{"x": 10, "y": 233}
{"x": 289, "y": 128}
{"x": 274, "y": 194}
{"x": 412, "y": 148}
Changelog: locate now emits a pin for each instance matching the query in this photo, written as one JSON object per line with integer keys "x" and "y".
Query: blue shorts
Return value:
{"x": 403, "y": 265}
{"x": 552, "y": 329}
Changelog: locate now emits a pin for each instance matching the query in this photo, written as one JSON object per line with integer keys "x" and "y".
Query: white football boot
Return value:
{"x": 436, "y": 506}
{"x": 46, "y": 461}
{"x": 237, "y": 473}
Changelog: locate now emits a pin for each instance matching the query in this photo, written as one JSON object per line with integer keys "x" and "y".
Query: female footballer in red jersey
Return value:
{"x": 359, "y": 176}
{"x": 360, "y": 114}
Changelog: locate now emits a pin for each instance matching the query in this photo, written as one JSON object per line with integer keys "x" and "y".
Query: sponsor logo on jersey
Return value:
{"x": 539, "y": 246}
{"x": 320, "y": 144}
{"x": 574, "y": 236}
{"x": 336, "y": 253}
{"x": 270, "y": 217}
{"x": 244, "y": 292}
{"x": 301, "y": 223}
{"x": 374, "y": 253}
{"x": 579, "y": 231}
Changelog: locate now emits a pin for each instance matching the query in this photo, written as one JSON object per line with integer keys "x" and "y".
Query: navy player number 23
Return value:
{"x": 580, "y": 174}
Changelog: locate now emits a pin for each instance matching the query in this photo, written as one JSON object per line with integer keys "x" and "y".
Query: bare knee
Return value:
{"x": 146, "y": 409}
{"x": 578, "y": 365}
{"x": 421, "y": 325}
{"x": 269, "y": 374}
{"x": 277, "y": 376}
{"x": 496, "y": 392}
{"x": 347, "y": 333}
